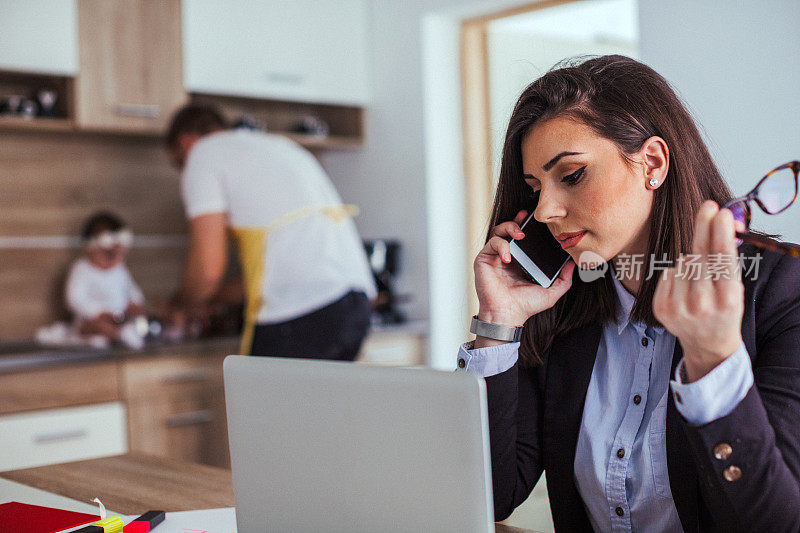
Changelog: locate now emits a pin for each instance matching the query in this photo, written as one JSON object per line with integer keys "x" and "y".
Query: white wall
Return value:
{"x": 386, "y": 178}
{"x": 737, "y": 65}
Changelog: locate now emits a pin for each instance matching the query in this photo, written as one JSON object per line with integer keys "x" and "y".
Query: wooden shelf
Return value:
{"x": 346, "y": 123}
{"x": 36, "y": 124}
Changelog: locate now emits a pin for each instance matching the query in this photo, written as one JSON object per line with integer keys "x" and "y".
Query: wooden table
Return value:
{"x": 132, "y": 482}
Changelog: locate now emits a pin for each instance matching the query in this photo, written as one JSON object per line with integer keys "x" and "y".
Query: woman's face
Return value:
{"x": 586, "y": 186}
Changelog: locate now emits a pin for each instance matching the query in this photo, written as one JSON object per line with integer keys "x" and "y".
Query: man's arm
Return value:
{"x": 206, "y": 260}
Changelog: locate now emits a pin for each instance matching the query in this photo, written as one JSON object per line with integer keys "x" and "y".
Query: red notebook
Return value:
{"x": 26, "y": 518}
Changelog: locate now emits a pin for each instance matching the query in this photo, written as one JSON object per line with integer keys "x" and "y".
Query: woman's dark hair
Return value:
{"x": 100, "y": 222}
{"x": 194, "y": 118}
{"x": 626, "y": 102}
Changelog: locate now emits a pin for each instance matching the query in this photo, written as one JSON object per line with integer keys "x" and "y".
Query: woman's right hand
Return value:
{"x": 505, "y": 296}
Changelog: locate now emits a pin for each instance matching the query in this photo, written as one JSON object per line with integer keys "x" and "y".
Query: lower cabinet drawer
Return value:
{"x": 39, "y": 438}
{"x": 186, "y": 427}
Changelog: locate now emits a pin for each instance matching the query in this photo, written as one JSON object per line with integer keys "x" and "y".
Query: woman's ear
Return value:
{"x": 655, "y": 160}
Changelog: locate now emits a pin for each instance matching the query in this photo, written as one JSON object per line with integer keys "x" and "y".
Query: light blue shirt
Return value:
{"x": 615, "y": 424}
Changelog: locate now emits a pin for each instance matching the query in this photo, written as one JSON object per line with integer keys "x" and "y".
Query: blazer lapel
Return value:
{"x": 569, "y": 370}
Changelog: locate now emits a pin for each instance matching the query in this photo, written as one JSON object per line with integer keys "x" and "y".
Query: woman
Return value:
{"x": 657, "y": 401}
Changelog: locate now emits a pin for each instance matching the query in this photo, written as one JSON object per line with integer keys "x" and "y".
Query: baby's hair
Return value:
{"x": 100, "y": 222}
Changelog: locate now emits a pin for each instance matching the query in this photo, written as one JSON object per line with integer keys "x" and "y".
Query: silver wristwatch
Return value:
{"x": 495, "y": 331}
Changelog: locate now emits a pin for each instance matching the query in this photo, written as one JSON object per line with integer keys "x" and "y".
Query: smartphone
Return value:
{"x": 539, "y": 253}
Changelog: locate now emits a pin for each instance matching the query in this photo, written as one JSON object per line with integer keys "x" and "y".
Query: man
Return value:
{"x": 306, "y": 277}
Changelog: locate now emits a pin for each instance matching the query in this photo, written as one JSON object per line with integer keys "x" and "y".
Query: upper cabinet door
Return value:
{"x": 130, "y": 64}
{"x": 296, "y": 50}
{"x": 39, "y": 36}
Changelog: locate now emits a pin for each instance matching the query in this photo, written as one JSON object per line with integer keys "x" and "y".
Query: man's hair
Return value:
{"x": 100, "y": 222}
{"x": 194, "y": 118}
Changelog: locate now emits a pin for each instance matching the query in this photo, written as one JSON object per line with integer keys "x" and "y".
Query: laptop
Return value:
{"x": 331, "y": 446}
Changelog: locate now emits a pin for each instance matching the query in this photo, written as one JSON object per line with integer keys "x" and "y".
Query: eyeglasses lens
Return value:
{"x": 778, "y": 190}
{"x": 740, "y": 213}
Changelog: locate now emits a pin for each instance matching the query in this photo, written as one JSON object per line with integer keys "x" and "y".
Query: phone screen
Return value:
{"x": 543, "y": 249}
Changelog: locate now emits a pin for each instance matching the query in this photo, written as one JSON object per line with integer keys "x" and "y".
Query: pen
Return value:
{"x": 146, "y": 522}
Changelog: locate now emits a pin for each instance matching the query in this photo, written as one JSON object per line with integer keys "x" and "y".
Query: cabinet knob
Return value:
{"x": 199, "y": 374}
{"x": 138, "y": 110}
{"x": 72, "y": 434}
{"x": 190, "y": 419}
{"x": 285, "y": 78}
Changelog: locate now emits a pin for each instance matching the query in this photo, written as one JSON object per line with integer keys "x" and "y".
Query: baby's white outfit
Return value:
{"x": 92, "y": 290}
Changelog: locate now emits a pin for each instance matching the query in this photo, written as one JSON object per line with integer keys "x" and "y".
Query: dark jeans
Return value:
{"x": 335, "y": 331}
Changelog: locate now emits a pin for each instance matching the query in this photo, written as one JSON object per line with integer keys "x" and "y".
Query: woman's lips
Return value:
{"x": 568, "y": 240}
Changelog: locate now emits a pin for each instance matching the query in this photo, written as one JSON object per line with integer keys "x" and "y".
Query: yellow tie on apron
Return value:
{"x": 252, "y": 245}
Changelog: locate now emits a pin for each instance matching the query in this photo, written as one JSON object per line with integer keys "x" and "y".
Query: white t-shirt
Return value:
{"x": 92, "y": 290}
{"x": 256, "y": 178}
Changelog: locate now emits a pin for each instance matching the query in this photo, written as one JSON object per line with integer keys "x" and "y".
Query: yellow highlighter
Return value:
{"x": 111, "y": 524}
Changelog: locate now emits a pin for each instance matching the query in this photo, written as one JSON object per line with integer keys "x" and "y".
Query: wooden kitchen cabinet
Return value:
{"x": 176, "y": 408}
{"x": 303, "y": 51}
{"x": 130, "y": 65}
{"x": 394, "y": 348}
{"x": 60, "y": 386}
{"x": 59, "y": 414}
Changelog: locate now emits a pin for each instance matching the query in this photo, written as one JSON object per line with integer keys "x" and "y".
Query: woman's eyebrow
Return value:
{"x": 547, "y": 166}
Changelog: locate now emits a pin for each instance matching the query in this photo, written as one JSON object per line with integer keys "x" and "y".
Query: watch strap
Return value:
{"x": 495, "y": 331}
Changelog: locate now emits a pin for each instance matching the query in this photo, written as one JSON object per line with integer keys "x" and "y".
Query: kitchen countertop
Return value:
{"x": 411, "y": 327}
{"x": 29, "y": 355}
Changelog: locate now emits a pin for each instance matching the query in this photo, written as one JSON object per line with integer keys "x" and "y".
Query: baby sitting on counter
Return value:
{"x": 100, "y": 291}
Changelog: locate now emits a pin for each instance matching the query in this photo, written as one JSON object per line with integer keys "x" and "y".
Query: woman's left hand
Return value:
{"x": 703, "y": 305}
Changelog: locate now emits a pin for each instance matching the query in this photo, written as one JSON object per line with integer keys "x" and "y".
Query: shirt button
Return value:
{"x": 637, "y": 399}
{"x": 644, "y": 341}
{"x": 461, "y": 363}
{"x": 621, "y": 453}
{"x": 732, "y": 473}
{"x": 722, "y": 451}
{"x": 619, "y": 511}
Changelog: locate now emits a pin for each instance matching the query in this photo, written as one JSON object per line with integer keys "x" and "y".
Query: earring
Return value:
{"x": 653, "y": 181}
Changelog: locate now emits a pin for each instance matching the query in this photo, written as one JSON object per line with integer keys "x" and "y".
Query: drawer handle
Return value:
{"x": 285, "y": 78}
{"x": 190, "y": 419}
{"x": 200, "y": 374}
{"x": 138, "y": 110}
{"x": 47, "y": 438}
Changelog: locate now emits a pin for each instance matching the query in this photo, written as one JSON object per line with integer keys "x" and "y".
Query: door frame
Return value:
{"x": 476, "y": 129}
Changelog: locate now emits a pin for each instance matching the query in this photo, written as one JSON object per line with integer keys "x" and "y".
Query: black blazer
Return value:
{"x": 535, "y": 416}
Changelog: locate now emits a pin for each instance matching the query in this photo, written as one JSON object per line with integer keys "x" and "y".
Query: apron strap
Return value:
{"x": 252, "y": 246}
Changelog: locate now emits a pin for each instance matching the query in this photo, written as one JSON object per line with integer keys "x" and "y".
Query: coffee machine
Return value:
{"x": 384, "y": 261}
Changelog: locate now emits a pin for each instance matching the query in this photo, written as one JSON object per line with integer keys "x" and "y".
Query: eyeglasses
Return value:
{"x": 774, "y": 194}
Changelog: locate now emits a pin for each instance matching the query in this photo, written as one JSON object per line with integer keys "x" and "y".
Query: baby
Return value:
{"x": 100, "y": 290}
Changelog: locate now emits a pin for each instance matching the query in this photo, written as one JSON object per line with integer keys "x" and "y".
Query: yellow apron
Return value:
{"x": 252, "y": 245}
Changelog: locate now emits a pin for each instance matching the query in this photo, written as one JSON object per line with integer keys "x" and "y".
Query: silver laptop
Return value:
{"x": 327, "y": 446}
